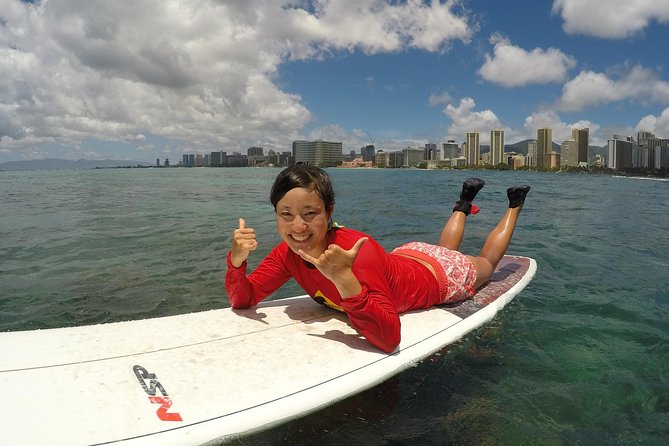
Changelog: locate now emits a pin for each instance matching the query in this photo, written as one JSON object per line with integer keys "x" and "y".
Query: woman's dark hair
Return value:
{"x": 306, "y": 176}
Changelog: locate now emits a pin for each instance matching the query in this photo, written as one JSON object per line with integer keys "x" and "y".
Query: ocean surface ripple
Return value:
{"x": 581, "y": 356}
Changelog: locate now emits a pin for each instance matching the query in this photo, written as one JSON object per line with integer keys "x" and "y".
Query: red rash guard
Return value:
{"x": 391, "y": 284}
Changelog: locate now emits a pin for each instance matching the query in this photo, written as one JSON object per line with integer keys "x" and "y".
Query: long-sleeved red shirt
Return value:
{"x": 391, "y": 284}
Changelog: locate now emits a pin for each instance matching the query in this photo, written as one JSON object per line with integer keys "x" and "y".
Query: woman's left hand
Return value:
{"x": 336, "y": 264}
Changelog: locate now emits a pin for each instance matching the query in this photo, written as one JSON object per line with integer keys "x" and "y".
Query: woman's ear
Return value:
{"x": 330, "y": 211}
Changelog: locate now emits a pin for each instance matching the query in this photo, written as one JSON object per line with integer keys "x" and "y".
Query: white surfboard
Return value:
{"x": 201, "y": 377}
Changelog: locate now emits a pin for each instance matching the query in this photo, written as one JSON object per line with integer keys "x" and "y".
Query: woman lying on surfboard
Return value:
{"x": 349, "y": 271}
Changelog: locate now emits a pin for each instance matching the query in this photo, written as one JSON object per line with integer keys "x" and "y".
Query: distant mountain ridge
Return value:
{"x": 518, "y": 147}
{"x": 60, "y": 164}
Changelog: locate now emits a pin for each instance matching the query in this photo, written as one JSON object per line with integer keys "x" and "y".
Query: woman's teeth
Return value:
{"x": 300, "y": 238}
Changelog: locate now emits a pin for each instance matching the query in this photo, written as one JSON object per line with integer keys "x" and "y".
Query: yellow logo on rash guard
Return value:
{"x": 321, "y": 299}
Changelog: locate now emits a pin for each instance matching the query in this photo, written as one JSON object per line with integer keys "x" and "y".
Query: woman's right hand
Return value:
{"x": 243, "y": 242}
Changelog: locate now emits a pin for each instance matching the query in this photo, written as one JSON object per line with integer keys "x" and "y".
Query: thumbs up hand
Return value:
{"x": 243, "y": 242}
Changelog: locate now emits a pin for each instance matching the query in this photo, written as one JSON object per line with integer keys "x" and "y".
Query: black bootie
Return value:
{"x": 517, "y": 195}
{"x": 470, "y": 188}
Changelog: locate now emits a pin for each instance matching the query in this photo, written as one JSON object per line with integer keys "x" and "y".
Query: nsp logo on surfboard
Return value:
{"x": 151, "y": 389}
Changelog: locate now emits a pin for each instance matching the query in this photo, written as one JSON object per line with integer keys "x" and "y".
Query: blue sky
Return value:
{"x": 140, "y": 81}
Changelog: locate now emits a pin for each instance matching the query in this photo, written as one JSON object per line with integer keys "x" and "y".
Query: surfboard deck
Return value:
{"x": 203, "y": 377}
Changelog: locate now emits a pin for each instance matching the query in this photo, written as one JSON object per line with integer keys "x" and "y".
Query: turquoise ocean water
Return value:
{"x": 581, "y": 356}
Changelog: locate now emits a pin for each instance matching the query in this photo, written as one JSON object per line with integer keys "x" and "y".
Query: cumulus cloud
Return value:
{"x": 512, "y": 66}
{"x": 656, "y": 124}
{"x": 611, "y": 19}
{"x": 203, "y": 73}
{"x": 464, "y": 119}
{"x": 592, "y": 89}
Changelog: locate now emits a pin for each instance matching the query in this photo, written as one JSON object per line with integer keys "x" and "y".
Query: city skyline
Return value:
{"x": 647, "y": 152}
{"x": 210, "y": 76}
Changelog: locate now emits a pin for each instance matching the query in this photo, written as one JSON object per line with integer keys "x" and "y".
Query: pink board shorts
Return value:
{"x": 456, "y": 274}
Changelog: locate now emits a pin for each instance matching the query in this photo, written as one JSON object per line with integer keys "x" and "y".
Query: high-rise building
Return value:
{"x": 497, "y": 147}
{"x": 320, "y": 153}
{"x": 396, "y": 159}
{"x": 644, "y": 152}
{"x": 581, "y": 136}
{"x": 473, "y": 149}
{"x": 544, "y": 145}
{"x": 413, "y": 157}
{"x": 218, "y": 159}
{"x": 450, "y": 150}
{"x": 188, "y": 160}
{"x": 662, "y": 155}
{"x": 382, "y": 159}
{"x": 620, "y": 152}
{"x": 431, "y": 152}
{"x": 531, "y": 157}
{"x": 254, "y": 151}
{"x": 569, "y": 153}
{"x": 368, "y": 152}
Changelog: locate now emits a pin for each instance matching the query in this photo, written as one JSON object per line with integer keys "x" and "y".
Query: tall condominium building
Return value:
{"x": 382, "y": 159}
{"x": 531, "y": 157}
{"x": 450, "y": 150}
{"x": 396, "y": 159}
{"x": 189, "y": 160}
{"x": 255, "y": 151}
{"x": 413, "y": 157}
{"x": 581, "y": 136}
{"x": 569, "y": 153}
{"x": 620, "y": 152}
{"x": 368, "y": 152}
{"x": 544, "y": 145}
{"x": 662, "y": 155}
{"x": 473, "y": 148}
{"x": 218, "y": 159}
{"x": 497, "y": 147}
{"x": 431, "y": 152}
{"x": 644, "y": 152}
{"x": 320, "y": 153}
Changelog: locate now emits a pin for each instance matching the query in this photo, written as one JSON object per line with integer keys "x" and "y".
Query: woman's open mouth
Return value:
{"x": 300, "y": 238}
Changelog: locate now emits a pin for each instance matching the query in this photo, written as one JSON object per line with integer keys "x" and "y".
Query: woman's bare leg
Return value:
{"x": 454, "y": 230}
{"x": 499, "y": 238}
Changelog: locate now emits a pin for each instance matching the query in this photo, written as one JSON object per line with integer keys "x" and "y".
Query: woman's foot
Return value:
{"x": 517, "y": 195}
{"x": 470, "y": 188}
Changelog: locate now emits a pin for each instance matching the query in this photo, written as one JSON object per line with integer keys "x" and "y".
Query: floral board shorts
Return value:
{"x": 455, "y": 272}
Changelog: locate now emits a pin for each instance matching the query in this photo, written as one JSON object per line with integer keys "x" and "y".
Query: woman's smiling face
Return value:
{"x": 302, "y": 221}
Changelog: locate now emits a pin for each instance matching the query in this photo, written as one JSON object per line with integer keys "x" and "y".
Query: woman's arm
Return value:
{"x": 365, "y": 293}
{"x": 374, "y": 316}
{"x": 246, "y": 291}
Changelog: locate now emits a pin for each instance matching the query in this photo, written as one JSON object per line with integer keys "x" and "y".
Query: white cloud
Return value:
{"x": 375, "y": 26}
{"x": 201, "y": 74}
{"x": 592, "y": 89}
{"x": 439, "y": 98}
{"x": 656, "y": 124}
{"x": 611, "y": 19}
{"x": 512, "y": 66}
{"x": 464, "y": 119}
